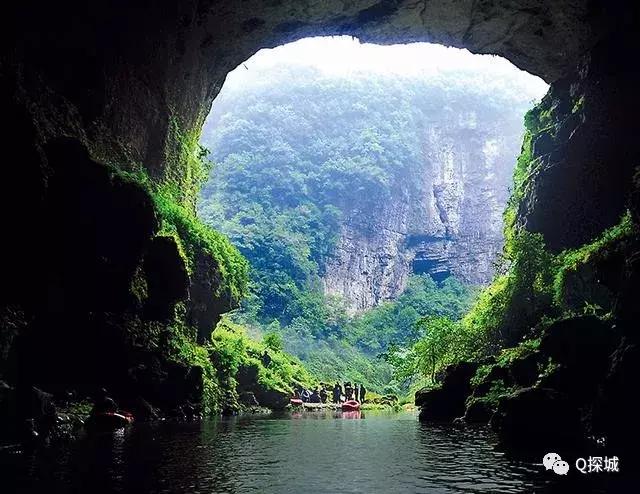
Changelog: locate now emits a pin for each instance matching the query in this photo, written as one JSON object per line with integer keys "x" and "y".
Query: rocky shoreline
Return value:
{"x": 553, "y": 397}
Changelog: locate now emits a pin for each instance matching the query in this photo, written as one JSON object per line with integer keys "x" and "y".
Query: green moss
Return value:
{"x": 598, "y": 249}
{"x": 177, "y": 341}
{"x": 139, "y": 286}
{"x": 520, "y": 296}
{"x": 193, "y": 236}
{"x": 505, "y": 357}
{"x": 549, "y": 368}
{"x": 186, "y": 166}
{"x": 492, "y": 398}
{"x": 572, "y": 260}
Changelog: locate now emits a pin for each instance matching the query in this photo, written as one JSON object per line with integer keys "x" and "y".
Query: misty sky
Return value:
{"x": 344, "y": 56}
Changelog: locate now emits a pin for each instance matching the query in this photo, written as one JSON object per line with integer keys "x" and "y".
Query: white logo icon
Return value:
{"x": 561, "y": 467}
{"x": 553, "y": 461}
{"x": 549, "y": 459}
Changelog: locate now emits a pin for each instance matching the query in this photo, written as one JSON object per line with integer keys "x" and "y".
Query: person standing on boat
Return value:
{"x": 323, "y": 394}
{"x": 348, "y": 391}
{"x": 356, "y": 392}
{"x": 304, "y": 395}
{"x": 315, "y": 396}
{"x": 363, "y": 393}
{"x": 337, "y": 393}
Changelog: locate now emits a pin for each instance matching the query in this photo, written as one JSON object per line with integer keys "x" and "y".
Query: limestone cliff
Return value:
{"x": 449, "y": 224}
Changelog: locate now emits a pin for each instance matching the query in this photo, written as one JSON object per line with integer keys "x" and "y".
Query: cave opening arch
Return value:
{"x": 429, "y": 94}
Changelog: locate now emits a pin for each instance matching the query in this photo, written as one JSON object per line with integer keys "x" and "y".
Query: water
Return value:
{"x": 314, "y": 452}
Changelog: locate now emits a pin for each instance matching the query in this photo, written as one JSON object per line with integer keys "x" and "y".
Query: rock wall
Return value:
{"x": 449, "y": 224}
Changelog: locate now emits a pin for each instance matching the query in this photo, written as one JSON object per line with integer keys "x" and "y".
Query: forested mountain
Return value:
{"x": 348, "y": 193}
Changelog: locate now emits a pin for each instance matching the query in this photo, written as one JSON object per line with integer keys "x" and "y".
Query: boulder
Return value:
{"x": 536, "y": 420}
{"x": 166, "y": 276}
{"x": 615, "y": 415}
{"x": 581, "y": 347}
{"x": 248, "y": 399}
{"x": 143, "y": 411}
{"x": 524, "y": 370}
{"x": 271, "y": 398}
{"x": 447, "y": 402}
{"x": 497, "y": 373}
{"x": 389, "y": 400}
{"x": 478, "y": 411}
{"x": 206, "y": 302}
{"x": 247, "y": 376}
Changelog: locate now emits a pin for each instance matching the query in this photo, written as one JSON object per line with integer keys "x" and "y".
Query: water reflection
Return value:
{"x": 321, "y": 451}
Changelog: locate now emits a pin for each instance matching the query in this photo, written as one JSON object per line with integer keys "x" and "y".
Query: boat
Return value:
{"x": 296, "y": 402}
{"x": 351, "y": 406}
{"x": 109, "y": 421}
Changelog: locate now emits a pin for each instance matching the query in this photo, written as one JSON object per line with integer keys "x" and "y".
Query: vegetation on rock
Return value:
{"x": 294, "y": 162}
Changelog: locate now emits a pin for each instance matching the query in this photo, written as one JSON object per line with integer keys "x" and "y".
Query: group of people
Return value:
{"x": 339, "y": 394}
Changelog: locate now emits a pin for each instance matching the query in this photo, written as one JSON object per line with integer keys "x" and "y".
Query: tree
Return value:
{"x": 437, "y": 346}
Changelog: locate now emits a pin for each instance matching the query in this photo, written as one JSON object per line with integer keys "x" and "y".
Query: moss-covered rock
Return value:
{"x": 448, "y": 401}
{"x": 615, "y": 415}
{"x": 534, "y": 421}
{"x": 167, "y": 280}
{"x": 581, "y": 347}
{"x": 479, "y": 411}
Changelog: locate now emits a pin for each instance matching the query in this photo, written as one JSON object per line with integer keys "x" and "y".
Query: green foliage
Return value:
{"x": 516, "y": 300}
{"x": 538, "y": 120}
{"x": 600, "y": 248}
{"x": 273, "y": 341}
{"x": 194, "y": 236}
{"x": 187, "y": 166}
{"x": 394, "y": 323}
{"x": 441, "y": 342}
{"x": 336, "y": 347}
{"x": 497, "y": 390}
{"x": 177, "y": 341}
{"x": 505, "y": 357}
{"x": 232, "y": 349}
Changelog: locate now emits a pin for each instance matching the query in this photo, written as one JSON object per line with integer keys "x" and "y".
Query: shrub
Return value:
{"x": 232, "y": 349}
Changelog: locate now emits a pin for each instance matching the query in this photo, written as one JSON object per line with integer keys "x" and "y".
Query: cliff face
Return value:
{"x": 444, "y": 220}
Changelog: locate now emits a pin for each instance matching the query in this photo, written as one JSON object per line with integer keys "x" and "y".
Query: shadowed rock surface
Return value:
{"x": 448, "y": 402}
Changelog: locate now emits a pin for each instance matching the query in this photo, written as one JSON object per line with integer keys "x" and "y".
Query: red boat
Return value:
{"x": 296, "y": 402}
{"x": 351, "y": 406}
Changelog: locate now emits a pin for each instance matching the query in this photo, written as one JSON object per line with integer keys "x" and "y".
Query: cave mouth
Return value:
{"x": 348, "y": 171}
{"x": 130, "y": 87}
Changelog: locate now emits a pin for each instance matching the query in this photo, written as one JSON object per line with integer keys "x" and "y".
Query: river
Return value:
{"x": 312, "y": 452}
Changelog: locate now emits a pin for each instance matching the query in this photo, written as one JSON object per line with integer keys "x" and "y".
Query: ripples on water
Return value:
{"x": 312, "y": 452}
